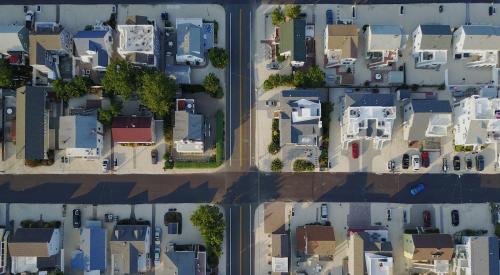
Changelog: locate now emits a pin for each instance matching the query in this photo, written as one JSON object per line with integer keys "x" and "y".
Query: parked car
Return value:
{"x": 456, "y": 163}
{"x": 270, "y": 103}
{"x": 105, "y": 165}
{"x": 324, "y": 212}
{"x": 479, "y": 163}
{"x": 445, "y": 165}
{"x": 157, "y": 255}
{"x": 154, "y": 156}
{"x": 417, "y": 189}
{"x": 427, "y": 218}
{"x": 424, "y": 158}
{"x": 355, "y": 150}
{"x": 455, "y": 220}
{"x": 274, "y": 65}
{"x": 405, "y": 217}
{"x": 391, "y": 165}
{"x": 157, "y": 235}
{"x": 389, "y": 216}
{"x": 415, "y": 162}
{"x": 329, "y": 17}
{"x": 468, "y": 162}
{"x": 77, "y": 218}
{"x": 406, "y": 161}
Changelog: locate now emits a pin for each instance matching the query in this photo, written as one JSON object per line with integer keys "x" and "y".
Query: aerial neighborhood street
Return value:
{"x": 249, "y": 137}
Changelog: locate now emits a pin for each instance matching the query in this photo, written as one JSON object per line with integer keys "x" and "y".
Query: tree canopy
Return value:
{"x": 120, "y": 78}
{"x": 210, "y": 221}
{"x": 218, "y": 57}
{"x": 212, "y": 86}
{"x": 156, "y": 92}
{"x": 277, "y": 16}
{"x": 6, "y": 74}
{"x": 106, "y": 116}
{"x": 77, "y": 87}
{"x": 292, "y": 11}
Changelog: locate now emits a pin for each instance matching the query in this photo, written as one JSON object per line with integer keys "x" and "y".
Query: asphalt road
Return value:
{"x": 239, "y": 239}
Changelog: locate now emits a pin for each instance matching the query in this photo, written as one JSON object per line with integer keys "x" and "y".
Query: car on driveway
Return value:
{"x": 424, "y": 158}
{"x": 324, "y": 212}
{"x": 355, "y": 150}
{"x": 445, "y": 165}
{"x": 415, "y": 162}
{"x": 406, "y": 161}
{"x": 157, "y": 255}
{"x": 329, "y": 17}
{"x": 105, "y": 165}
{"x": 468, "y": 162}
{"x": 391, "y": 165}
{"x": 456, "y": 163}
{"x": 427, "y": 218}
{"x": 479, "y": 163}
{"x": 77, "y": 218}
{"x": 154, "y": 156}
{"x": 455, "y": 220}
{"x": 417, "y": 189}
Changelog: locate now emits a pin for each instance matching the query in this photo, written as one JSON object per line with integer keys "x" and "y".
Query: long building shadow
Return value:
{"x": 43, "y": 193}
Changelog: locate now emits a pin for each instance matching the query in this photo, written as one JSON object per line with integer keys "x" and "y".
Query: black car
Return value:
{"x": 479, "y": 163}
{"x": 456, "y": 163}
{"x": 154, "y": 156}
{"x": 455, "y": 220}
{"x": 406, "y": 161}
{"x": 77, "y": 218}
{"x": 468, "y": 162}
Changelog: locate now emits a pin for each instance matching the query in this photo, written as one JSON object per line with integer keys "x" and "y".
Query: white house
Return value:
{"x": 32, "y": 249}
{"x": 383, "y": 43}
{"x": 188, "y": 134}
{"x": 367, "y": 116}
{"x": 477, "y": 255}
{"x": 478, "y": 43}
{"x": 139, "y": 41}
{"x": 424, "y": 119}
{"x": 430, "y": 45}
{"x": 341, "y": 45}
{"x": 477, "y": 121}
{"x": 81, "y": 136}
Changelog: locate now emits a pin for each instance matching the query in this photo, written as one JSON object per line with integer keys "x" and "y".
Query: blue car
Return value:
{"x": 417, "y": 189}
{"x": 329, "y": 17}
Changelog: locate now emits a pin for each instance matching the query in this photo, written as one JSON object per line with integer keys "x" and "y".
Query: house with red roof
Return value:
{"x": 133, "y": 129}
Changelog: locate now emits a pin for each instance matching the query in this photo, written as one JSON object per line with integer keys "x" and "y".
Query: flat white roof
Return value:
{"x": 136, "y": 38}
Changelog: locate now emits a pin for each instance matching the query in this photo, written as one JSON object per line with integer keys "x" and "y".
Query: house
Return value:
{"x": 190, "y": 260}
{"x": 133, "y": 129}
{"x": 188, "y": 128}
{"x": 34, "y": 249}
{"x": 477, "y": 255}
{"x": 180, "y": 73}
{"x": 275, "y": 226}
{"x": 300, "y": 118}
{"x": 383, "y": 43}
{"x": 292, "y": 41}
{"x": 81, "y": 136}
{"x": 367, "y": 116}
{"x": 4, "y": 254}
{"x": 430, "y": 252}
{"x": 341, "y": 45}
{"x": 478, "y": 43}
{"x": 15, "y": 43}
{"x": 129, "y": 247}
{"x": 476, "y": 121}
{"x": 369, "y": 252}
{"x": 315, "y": 240}
{"x": 92, "y": 51}
{"x": 430, "y": 45}
{"x": 48, "y": 44}
{"x": 190, "y": 42}
{"x": 91, "y": 257}
{"x": 139, "y": 41}
{"x": 32, "y": 123}
{"x": 426, "y": 119}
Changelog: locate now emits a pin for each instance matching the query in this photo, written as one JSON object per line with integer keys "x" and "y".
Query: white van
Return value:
{"x": 324, "y": 212}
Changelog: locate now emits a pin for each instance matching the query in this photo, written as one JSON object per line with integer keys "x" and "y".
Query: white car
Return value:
{"x": 415, "y": 161}
{"x": 105, "y": 165}
{"x": 324, "y": 212}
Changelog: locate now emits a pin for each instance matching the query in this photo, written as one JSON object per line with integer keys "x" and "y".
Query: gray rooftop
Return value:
{"x": 481, "y": 37}
{"x": 423, "y": 110}
{"x": 477, "y": 132}
{"x": 435, "y": 37}
{"x": 78, "y": 132}
{"x": 181, "y": 73}
{"x": 368, "y": 99}
{"x": 14, "y": 39}
{"x": 293, "y": 39}
{"x": 484, "y": 255}
{"x": 190, "y": 40}
{"x": 32, "y": 235}
{"x": 188, "y": 262}
{"x": 430, "y": 106}
{"x": 188, "y": 126}
{"x": 129, "y": 233}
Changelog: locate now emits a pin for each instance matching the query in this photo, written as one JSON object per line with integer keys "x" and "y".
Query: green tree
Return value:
{"x": 212, "y": 86}
{"x": 106, "y": 116}
{"x": 77, "y": 87}
{"x": 218, "y": 57}
{"x": 302, "y": 165}
{"x": 120, "y": 78}
{"x": 210, "y": 221}
{"x": 6, "y": 74}
{"x": 157, "y": 91}
{"x": 276, "y": 165}
{"x": 292, "y": 11}
{"x": 315, "y": 77}
{"x": 277, "y": 16}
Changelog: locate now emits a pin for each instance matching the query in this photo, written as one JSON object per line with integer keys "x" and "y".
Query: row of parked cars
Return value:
{"x": 422, "y": 160}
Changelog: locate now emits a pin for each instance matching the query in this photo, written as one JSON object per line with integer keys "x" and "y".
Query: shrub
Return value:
{"x": 218, "y": 57}
{"x": 276, "y": 165}
{"x": 302, "y": 165}
{"x": 292, "y": 11}
{"x": 6, "y": 74}
{"x": 277, "y": 80}
{"x": 280, "y": 58}
{"x": 278, "y": 17}
{"x": 274, "y": 147}
{"x": 212, "y": 86}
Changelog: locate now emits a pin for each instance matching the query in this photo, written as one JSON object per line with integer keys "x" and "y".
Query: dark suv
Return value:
{"x": 406, "y": 161}
{"x": 479, "y": 163}
{"x": 77, "y": 218}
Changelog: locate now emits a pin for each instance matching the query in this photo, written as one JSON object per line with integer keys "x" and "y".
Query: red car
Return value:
{"x": 427, "y": 218}
{"x": 424, "y": 158}
{"x": 355, "y": 150}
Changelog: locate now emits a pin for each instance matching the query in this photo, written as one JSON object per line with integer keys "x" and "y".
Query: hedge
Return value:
{"x": 274, "y": 147}
{"x": 302, "y": 165}
{"x": 195, "y": 165}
